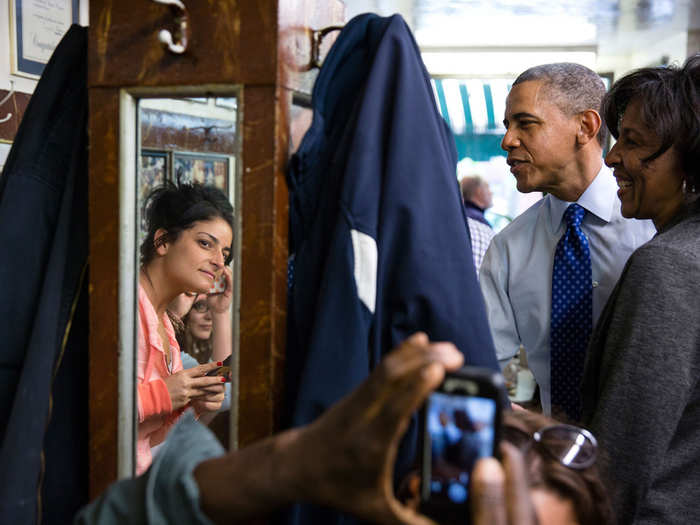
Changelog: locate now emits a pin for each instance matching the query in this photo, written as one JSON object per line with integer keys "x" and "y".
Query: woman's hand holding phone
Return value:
{"x": 192, "y": 383}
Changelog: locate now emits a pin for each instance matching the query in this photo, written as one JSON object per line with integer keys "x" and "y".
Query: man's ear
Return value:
{"x": 589, "y": 125}
{"x": 160, "y": 241}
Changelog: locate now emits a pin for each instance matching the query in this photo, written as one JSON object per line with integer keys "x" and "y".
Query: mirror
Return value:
{"x": 174, "y": 316}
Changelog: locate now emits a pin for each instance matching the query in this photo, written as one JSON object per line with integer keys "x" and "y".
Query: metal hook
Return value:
{"x": 317, "y": 36}
{"x": 166, "y": 37}
{"x": 7, "y": 97}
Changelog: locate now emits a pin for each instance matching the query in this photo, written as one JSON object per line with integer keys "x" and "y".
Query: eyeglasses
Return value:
{"x": 572, "y": 446}
{"x": 201, "y": 307}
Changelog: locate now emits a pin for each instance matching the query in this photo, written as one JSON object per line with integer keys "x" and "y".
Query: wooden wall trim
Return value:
{"x": 103, "y": 211}
{"x": 231, "y": 42}
{"x": 16, "y": 105}
{"x": 263, "y": 240}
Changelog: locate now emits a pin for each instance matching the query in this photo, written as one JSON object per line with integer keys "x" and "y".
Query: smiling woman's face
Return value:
{"x": 199, "y": 320}
{"x": 197, "y": 256}
{"x": 648, "y": 190}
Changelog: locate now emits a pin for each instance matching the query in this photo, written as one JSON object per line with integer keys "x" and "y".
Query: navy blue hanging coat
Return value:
{"x": 379, "y": 247}
{"x": 44, "y": 311}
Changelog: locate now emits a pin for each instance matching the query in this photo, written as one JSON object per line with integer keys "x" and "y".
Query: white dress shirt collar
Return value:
{"x": 599, "y": 199}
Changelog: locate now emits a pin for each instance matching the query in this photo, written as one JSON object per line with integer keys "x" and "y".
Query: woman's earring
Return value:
{"x": 160, "y": 241}
{"x": 683, "y": 187}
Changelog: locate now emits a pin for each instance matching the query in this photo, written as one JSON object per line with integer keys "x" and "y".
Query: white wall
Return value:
{"x": 655, "y": 46}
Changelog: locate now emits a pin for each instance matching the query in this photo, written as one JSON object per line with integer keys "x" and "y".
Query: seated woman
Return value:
{"x": 206, "y": 332}
{"x": 640, "y": 388}
{"x": 560, "y": 463}
{"x": 187, "y": 246}
{"x": 205, "y": 335}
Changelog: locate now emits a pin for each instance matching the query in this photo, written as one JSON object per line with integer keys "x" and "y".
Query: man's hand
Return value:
{"x": 192, "y": 383}
{"x": 348, "y": 454}
{"x": 345, "y": 459}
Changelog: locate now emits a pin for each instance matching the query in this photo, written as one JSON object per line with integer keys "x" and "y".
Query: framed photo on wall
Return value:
{"x": 37, "y": 26}
{"x": 209, "y": 169}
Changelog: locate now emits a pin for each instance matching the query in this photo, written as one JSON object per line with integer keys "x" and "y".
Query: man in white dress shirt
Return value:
{"x": 554, "y": 136}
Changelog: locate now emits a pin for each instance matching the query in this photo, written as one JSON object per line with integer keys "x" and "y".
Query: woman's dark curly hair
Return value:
{"x": 583, "y": 487}
{"x": 176, "y": 208}
{"x": 670, "y": 105}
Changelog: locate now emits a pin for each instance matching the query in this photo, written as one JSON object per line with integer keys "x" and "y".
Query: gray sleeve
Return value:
{"x": 493, "y": 278}
{"x": 649, "y": 371}
{"x": 166, "y": 492}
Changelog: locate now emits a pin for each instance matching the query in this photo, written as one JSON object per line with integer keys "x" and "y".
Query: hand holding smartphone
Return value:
{"x": 224, "y": 370}
{"x": 461, "y": 423}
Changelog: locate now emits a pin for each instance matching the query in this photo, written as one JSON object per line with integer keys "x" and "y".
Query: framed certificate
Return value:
{"x": 36, "y": 28}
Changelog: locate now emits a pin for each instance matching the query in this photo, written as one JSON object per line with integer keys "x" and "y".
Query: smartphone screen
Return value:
{"x": 459, "y": 429}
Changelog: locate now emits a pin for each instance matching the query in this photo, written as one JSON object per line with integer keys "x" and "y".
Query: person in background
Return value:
{"x": 641, "y": 390}
{"x": 206, "y": 336}
{"x": 480, "y": 236}
{"x": 477, "y": 197}
{"x": 190, "y": 231}
{"x": 547, "y": 275}
{"x": 206, "y": 332}
{"x": 561, "y": 462}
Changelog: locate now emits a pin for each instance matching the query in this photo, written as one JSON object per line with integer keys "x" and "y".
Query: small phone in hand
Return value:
{"x": 224, "y": 370}
{"x": 460, "y": 423}
{"x": 219, "y": 285}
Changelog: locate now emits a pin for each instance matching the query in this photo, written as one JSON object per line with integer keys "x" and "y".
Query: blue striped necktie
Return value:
{"x": 572, "y": 314}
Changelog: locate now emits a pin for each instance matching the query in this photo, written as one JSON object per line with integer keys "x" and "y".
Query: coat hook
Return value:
{"x": 317, "y": 36}
{"x": 7, "y": 97}
{"x": 166, "y": 37}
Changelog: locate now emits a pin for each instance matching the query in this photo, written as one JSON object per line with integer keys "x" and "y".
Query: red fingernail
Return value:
{"x": 223, "y": 379}
{"x": 219, "y": 363}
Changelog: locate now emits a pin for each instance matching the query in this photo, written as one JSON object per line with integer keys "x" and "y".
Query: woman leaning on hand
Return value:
{"x": 640, "y": 388}
{"x": 188, "y": 244}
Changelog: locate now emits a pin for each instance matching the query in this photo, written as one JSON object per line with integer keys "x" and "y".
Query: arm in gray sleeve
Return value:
{"x": 493, "y": 278}
{"x": 167, "y": 492}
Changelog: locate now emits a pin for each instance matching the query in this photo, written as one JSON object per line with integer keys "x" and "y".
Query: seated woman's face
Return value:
{"x": 197, "y": 256}
{"x": 648, "y": 190}
{"x": 199, "y": 321}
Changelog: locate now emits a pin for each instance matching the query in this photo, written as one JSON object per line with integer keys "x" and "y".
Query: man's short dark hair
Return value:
{"x": 574, "y": 88}
{"x": 670, "y": 107}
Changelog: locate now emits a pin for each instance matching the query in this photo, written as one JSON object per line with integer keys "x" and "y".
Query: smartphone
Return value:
{"x": 219, "y": 284}
{"x": 224, "y": 370}
{"x": 460, "y": 423}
